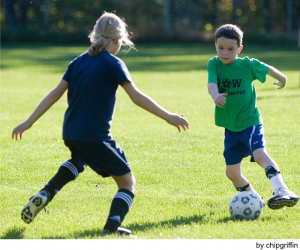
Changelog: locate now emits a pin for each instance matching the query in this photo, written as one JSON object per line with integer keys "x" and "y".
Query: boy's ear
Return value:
{"x": 240, "y": 48}
{"x": 216, "y": 45}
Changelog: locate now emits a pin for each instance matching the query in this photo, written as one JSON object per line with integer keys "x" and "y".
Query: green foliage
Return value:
{"x": 182, "y": 191}
{"x": 70, "y": 21}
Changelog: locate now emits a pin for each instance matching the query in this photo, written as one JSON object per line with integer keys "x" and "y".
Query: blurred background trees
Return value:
{"x": 63, "y": 21}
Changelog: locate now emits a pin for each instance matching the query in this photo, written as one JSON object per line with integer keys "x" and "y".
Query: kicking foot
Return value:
{"x": 34, "y": 206}
{"x": 283, "y": 197}
{"x": 120, "y": 232}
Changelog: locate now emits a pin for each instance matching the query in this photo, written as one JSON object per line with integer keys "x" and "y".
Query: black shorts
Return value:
{"x": 106, "y": 158}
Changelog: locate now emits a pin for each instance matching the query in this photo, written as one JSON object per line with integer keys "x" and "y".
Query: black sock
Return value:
{"x": 66, "y": 173}
{"x": 119, "y": 208}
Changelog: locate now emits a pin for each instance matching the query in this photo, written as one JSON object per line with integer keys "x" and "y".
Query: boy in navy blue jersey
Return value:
{"x": 92, "y": 80}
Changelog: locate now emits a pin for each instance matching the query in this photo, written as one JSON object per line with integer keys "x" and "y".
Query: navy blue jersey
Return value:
{"x": 93, "y": 84}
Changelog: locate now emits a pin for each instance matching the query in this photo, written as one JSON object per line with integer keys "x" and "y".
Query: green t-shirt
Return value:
{"x": 240, "y": 111}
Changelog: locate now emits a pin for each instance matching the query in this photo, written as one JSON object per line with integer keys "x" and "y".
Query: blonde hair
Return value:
{"x": 108, "y": 28}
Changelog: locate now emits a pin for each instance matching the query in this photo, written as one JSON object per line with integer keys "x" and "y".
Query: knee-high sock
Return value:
{"x": 119, "y": 208}
{"x": 66, "y": 173}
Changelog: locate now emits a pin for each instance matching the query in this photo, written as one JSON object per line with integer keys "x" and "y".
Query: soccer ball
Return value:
{"x": 245, "y": 205}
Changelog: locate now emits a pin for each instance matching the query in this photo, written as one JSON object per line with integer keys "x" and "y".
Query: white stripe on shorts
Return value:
{"x": 71, "y": 167}
{"x": 125, "y": 197}
{"x": 250, "y": 140}
{"x": 114, "y": 151}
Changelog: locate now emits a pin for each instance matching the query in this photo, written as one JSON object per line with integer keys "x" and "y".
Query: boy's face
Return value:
{"x": 227, "y": 50}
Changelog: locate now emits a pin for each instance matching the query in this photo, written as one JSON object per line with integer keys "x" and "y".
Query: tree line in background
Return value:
{"x": 149, "y": 20}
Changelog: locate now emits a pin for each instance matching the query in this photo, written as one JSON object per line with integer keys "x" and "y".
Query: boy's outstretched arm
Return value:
{"x": 44, "y": 105}
{"x": 275, "y": 73}
{"x": 151, "y": 106}
{"x": 219, "y": 99}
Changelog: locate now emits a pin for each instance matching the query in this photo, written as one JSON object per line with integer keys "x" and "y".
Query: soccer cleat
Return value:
{"x": 120, "y": 232}
{"x": 34, "y": 206}
{"x": 283, "y": 197}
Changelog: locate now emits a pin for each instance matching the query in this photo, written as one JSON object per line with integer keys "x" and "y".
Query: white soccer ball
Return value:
{"x": 245, "y": 205}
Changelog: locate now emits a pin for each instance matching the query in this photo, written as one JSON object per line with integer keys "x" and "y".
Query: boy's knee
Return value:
{"x": 232, "y": 174}
{"x": 260, "y": 154}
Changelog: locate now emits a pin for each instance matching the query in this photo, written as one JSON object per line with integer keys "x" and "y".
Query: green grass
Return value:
{"x": 182, "y": 191}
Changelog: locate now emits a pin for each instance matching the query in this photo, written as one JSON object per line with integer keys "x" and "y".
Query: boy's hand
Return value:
{"x": 220, "y": 99}
{"x": 178, "y": 121}
{"x": 280, "y": 84}
{"x": 18, "y": 131}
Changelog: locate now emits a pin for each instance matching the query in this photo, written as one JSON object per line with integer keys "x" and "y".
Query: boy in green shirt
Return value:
{"x": 231, "y": 86}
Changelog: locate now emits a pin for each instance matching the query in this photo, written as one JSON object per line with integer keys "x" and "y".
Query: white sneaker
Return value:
{"x": 283, "y": 197}
{"x": 34, "y": 206}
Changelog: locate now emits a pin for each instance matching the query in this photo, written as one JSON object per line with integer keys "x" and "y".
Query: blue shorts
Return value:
{"x": 239, "y": 145}
{"x": 105, "y": 158}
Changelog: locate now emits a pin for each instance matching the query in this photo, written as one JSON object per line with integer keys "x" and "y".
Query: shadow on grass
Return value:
{"x": 85, "y": 234}
{"x": 230, "y": 219}
{"x": 172, "y": 223}
{"x": 158, "y": 58}
{"x": 17, "y": 233}
{"x": 196, "y": 219}
{"x": 14, "y": 233}
{"x": 95, "y": 233}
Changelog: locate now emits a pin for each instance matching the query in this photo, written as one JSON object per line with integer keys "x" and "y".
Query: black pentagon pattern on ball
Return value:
{"x": 245, "y": 206}
{"x": 235, "y": 199}
{"x": 245, "y": 200}
{"x": 247, "y": 211}
{"x": 254, "y": 196}
{"x": 256, "y": 214}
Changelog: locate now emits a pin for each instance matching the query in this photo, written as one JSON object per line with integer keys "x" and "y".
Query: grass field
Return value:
{"x": 182, "y": 191}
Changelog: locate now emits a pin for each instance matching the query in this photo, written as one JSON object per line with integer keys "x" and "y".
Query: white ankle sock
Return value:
{"x": 277, "y": 182}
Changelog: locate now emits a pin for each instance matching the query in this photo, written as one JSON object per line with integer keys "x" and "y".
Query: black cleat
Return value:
{"x": 283, "y": 197}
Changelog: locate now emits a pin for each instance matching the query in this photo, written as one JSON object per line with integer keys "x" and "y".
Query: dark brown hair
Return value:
{"x": 230, "y": 31}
